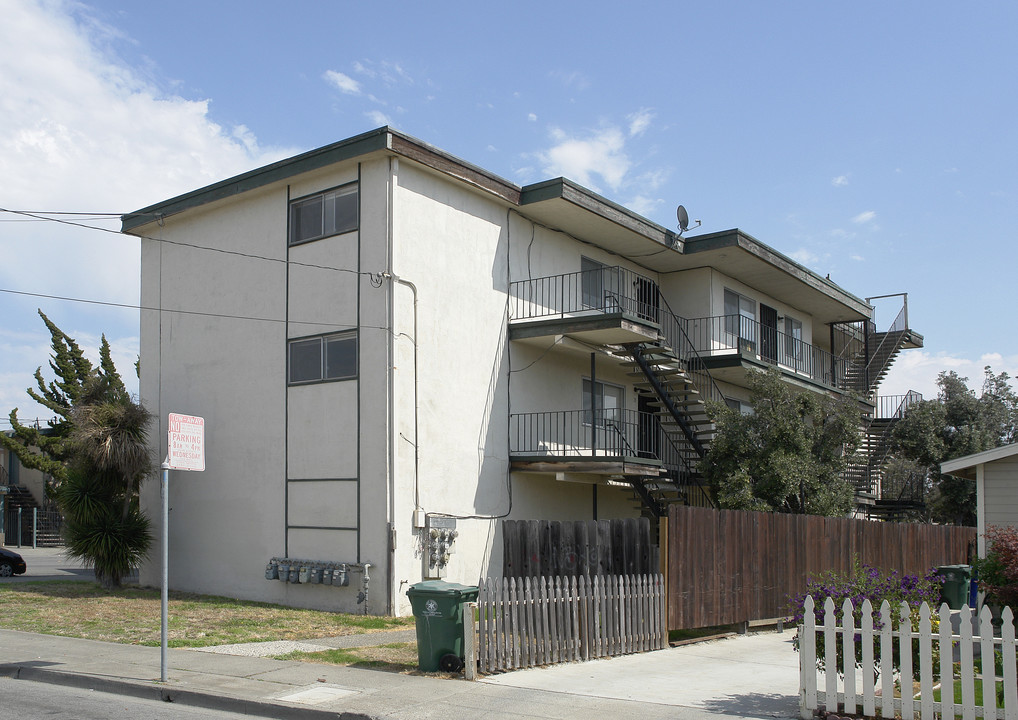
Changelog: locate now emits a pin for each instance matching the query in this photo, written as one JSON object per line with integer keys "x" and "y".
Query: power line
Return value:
{"x": 42, "y": 218}
{"x": 228, "y": 316}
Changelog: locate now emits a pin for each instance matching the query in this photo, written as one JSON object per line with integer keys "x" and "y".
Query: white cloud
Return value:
{"x": 639, "y": 121}
{"x": 840, "y": 181}
{"x": 857, "y": 258}
{"x": 602, "y": 153}
{"x": 643, "y": 205}
{"x": 918, "y": 369}
{"x": 531, "y": 117}
{"x": 378, "y": 118}
{"x": 344, "y": 83}
{"x": 864, "y": 217}
{"x": 83, "y": 132}
{"x": 806, "y": 257}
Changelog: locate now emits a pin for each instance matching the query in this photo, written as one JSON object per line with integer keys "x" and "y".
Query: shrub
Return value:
{"x": 997, "y": 573}
{"x": 869, "y": 583}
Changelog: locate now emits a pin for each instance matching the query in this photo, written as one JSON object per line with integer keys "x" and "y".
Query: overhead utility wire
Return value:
{"x": 192, "y": 312}
{"x": 185, "y": 244}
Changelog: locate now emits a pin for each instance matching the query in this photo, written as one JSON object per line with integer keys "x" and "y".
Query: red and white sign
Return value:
{"x": 186, "y": 442}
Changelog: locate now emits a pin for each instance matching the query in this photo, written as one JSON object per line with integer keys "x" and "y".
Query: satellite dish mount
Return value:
{"x": 683, "y": 217}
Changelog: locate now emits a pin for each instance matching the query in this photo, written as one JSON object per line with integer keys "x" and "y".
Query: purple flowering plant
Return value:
{"x": 865, "y": 582}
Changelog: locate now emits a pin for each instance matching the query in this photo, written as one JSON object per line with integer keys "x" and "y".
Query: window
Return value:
{"x": 740, "y": 406}
{"x": 323, "y": 358}
{"x": 322, "y": 215}
{"x": 793, "y": 340}
{"x": 599, "y": 285}
{"x": 609, "y": 402}
{"x": 740, "y": 318}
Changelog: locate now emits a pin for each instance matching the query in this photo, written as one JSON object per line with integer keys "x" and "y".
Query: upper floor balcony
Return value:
{"x": 726, "y": 341}
{"x": 602, "y": 305}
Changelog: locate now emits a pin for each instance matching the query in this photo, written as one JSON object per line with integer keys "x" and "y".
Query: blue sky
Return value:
{"x": 871, "y": 141}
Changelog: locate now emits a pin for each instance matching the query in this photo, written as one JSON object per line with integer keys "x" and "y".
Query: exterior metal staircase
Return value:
{"x": 676, "y": 378}
{"x": 862, "y": 376}
{"x": 21, "y": 509}
{"x": 866, "y": 470}
{"x": 872, "y": 353}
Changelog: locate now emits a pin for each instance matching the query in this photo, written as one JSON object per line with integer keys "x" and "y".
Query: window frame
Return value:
{"x": 323, "y": 357}
{"x": 733, "y": 322}
{"x": 344, "y": 190}
{"x": 599, "y": 387}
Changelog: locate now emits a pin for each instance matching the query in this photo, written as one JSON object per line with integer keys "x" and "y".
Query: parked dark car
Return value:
{"x": 11, "y": 563}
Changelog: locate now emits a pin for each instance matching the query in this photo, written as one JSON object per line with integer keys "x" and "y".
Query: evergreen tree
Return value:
{"x": 95, "y": 450}
{"x": 787, "y": 455}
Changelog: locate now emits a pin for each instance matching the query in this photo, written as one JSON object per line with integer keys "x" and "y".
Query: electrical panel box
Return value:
{"x": 439, "y": 543}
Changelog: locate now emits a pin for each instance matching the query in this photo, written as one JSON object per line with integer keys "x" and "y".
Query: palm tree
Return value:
{"x": 104, "y": 525}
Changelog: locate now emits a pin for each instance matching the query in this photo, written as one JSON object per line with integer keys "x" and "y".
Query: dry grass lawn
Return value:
{"x": 132, "y": 616}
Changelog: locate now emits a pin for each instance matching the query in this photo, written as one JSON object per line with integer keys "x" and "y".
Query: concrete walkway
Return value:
{"x": 754, "y": 676}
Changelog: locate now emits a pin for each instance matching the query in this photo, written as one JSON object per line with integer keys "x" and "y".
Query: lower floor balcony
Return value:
{"x": 605, "y": 442}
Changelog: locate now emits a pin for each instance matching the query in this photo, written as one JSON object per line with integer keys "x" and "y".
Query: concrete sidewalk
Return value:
{"x": 754, "y": 676}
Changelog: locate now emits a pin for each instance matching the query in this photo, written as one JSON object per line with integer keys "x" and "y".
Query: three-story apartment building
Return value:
{"x": 393, "y": 350}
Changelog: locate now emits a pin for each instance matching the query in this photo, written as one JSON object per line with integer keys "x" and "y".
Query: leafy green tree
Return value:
{"x": 95, "y": 451}
{"x": 957, "y": 423}
{"x": 787, "y": 455}
{"x": 49, "y": 450}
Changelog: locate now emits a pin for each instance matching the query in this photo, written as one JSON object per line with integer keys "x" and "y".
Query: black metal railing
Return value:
{"x": 606, "y": 433}
{"x": 894, "y": 407}
{"x": 724, "y": 334}
{"x": 605, "y": 290}
{"x": 577, "y": 433}
{"x": 674, "y": 330}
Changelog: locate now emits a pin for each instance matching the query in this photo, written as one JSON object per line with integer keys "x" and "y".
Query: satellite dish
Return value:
{"x": 683, "y": 218}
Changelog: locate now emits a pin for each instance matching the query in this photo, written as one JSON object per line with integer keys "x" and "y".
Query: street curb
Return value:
{"x": 169, "y": 694}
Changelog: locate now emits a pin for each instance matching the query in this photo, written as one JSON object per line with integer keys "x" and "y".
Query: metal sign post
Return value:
{"x": 185, "y": 450}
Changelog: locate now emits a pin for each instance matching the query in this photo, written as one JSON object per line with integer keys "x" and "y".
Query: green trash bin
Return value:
{"x": 438, "y": 610}
{"x": 955, "y": 590}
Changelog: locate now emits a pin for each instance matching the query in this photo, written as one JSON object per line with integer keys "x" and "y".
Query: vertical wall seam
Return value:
{"x": 360, "y": 346}
{"x": 286, "y": 385}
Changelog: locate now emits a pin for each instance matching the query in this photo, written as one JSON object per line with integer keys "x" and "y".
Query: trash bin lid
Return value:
{"x": 441, "y": 587}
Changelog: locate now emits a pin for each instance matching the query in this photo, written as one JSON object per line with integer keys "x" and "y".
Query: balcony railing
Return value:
{"x": 607, "y": 433}
{"x": 605, "y": 290}
{"x": 730, "y": 334}
{"x": 894, "y": 407}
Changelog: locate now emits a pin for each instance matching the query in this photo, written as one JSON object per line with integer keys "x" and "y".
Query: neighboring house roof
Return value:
{"x": 965, "y": 467}
{"x": 559, "y": 204}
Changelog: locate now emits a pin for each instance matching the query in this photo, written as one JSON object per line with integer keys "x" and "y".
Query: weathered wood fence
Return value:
{"x": 552, "y": 548}
{"x": 525, "y": 622}
{"x": 852, "y": 685}
{"x": 732, "y": 566}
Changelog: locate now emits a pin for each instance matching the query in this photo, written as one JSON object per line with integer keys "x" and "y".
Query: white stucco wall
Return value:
{"x": 215, "y": 351}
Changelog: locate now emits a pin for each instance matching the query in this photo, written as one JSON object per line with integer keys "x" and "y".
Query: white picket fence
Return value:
{"x": 869, "y": 686}
{"x": 525, "y": 622}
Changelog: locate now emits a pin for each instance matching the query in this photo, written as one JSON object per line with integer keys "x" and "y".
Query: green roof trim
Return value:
{"x": 381, "y": 139}
{"x": 564, "y": 189}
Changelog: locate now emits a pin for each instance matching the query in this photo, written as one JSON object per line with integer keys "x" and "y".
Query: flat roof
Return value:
{"x": 559, "y": 204}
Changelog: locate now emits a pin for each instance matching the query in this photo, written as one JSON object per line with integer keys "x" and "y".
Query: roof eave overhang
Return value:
{"x": 381, "y": 140}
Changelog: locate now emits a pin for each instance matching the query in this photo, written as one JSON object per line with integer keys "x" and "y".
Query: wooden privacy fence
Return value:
{"x": 525, "y": 622}
{"x": 551, "y": 548}
{"x": 866, "y": 681}
{"x": 734, "y": 566}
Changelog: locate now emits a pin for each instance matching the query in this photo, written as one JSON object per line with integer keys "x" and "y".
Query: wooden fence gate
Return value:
{"x": 525, "y": 622}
